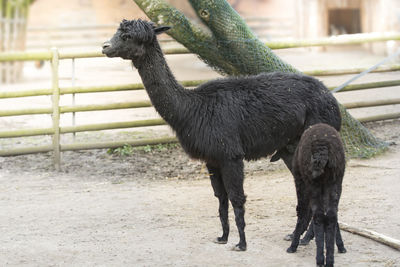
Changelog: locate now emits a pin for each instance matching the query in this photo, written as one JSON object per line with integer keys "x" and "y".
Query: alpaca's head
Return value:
{"x": 132, "y": 38}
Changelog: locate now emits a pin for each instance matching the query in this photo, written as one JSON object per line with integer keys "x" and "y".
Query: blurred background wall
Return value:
{"x": 270, "y": 19}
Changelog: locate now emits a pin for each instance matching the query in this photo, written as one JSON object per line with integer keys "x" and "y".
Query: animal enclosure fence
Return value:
{"x": 54, "y": 56}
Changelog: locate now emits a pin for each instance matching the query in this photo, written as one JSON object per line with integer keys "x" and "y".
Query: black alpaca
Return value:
{"x": 225, "y": 121}
{"x": 318, "y": 169}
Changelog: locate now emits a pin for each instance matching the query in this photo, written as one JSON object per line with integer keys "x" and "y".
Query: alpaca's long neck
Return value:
{"x": 166, "y": 94}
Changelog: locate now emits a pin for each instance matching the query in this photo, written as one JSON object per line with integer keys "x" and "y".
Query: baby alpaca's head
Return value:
{"x": 131, "y": 38}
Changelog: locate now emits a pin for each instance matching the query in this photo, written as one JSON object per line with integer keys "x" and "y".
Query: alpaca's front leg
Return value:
{"x": 220, "y": 193}
{"x": 232, "y": 176}
{"x": 223, "y": 216}
{"x": 240, "y": 223}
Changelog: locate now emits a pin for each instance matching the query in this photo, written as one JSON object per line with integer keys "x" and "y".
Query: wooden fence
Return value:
{"x": 54, "y": 56}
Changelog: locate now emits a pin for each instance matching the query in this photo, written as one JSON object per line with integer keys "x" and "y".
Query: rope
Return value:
{"x": 367, "y": 71}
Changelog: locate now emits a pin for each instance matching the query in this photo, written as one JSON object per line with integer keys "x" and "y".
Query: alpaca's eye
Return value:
{"x": 125, "y": 37}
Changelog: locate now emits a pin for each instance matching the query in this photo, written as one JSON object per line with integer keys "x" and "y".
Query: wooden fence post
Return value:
{"x": 56, "y": 108}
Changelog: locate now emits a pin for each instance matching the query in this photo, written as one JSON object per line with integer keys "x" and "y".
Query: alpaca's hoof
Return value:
{"x": 342, "y": 250}
{"x": 239, "y": 247}
{"x": 221, "y": 240}
{"x": 291, "y": 250}
{"x": 289, "y": 237}
{"x": 304, "y": 242}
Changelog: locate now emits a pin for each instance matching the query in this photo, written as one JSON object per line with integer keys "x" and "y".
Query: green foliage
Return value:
{"x": 124, "y": 151}
{"x": 128, "y": 150}
{"x": 158, "y": 147}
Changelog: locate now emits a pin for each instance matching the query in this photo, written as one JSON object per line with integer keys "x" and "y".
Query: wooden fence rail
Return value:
{"x": 192, "y": 83}
{"x": 333, "y": 40}
{"x": 56, "y": 110}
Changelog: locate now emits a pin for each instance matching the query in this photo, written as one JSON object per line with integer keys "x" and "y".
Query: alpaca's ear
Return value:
{"x": 161, "y": 29}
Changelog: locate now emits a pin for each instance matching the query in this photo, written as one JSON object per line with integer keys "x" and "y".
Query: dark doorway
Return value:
{"x": 344, "y": 21}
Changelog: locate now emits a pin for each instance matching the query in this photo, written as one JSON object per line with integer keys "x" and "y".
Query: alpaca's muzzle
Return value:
{"x": 106, "y": 46}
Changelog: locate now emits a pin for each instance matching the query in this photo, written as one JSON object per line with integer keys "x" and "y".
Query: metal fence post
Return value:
{"x": 56, "y": 108}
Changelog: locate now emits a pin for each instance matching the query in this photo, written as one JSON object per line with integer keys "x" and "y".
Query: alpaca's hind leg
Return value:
{"x": 301, "y": 226}
{"x": 220, "y": 193}
{"x": 286, "y": 156}
{"x": 319, "y": 233}
{"x": 308, "y": 236}
{"x": 330, "y": 231}
{"x": 232, "y": 175}
{"x": 303, "y": 214}
{"x": 339, "y": 240}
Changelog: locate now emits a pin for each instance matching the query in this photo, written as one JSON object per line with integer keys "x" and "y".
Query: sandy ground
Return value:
{"x": 157, "y": 209}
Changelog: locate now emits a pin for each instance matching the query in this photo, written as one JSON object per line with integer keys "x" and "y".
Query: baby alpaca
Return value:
{"x": 318, "y": 169}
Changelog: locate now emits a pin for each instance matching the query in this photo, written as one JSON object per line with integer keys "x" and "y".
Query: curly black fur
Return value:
{"x": 227, "y": 120}
{"x": 318, "y": 169}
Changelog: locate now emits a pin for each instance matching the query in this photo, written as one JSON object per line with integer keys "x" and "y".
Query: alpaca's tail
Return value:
{"x": 319, "y": 159}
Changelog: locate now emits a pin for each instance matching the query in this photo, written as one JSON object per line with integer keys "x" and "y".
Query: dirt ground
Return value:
{"x": 156, "y": 208}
